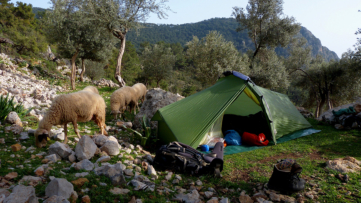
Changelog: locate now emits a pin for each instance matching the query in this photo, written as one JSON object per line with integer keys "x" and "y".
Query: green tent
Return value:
{"x": 193, "y": 118}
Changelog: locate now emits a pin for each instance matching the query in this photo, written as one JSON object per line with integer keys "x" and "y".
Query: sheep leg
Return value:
{"x": 65, "y": 133}
{"x": 101, "y": 125}
{"x": 76, "y": 129}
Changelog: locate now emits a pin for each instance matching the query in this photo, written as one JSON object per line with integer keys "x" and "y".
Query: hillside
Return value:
{"x": 183, "y": 33}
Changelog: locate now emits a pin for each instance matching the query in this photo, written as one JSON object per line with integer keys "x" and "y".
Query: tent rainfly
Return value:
{"x": 193, "y": 118}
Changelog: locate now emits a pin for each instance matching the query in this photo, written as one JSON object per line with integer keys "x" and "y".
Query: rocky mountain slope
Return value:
{"x": 183, "y": 33}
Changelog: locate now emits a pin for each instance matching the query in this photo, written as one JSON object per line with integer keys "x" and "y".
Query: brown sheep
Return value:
{"x": 75, "y": 107}
{"x": 91, "y": 89}
{"x": 141, "y": 91}
{"x": 121, "y": 98}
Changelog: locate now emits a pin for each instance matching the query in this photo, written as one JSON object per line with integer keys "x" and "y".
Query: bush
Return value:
{"x": 7, "y": 105}
{"x": 94, "y": 70}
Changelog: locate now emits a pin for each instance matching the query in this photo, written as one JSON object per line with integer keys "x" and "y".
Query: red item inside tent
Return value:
{"x": 253, "y": 139}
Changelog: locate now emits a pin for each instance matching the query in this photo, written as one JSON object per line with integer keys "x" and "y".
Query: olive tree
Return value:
{"x": 74, "y": 34}
{"x": 158, "y": 62}
{"x": 266, "y": 25}
{"x": 121, "y": 16}
{"x": 213, "y": 55}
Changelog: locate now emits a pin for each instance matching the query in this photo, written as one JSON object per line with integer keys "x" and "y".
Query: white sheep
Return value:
{"x": 141, "y": 91}
{"x": 75, "y": 107}
{"x": 91, "y": 89}
{"x": 121, "y": 98}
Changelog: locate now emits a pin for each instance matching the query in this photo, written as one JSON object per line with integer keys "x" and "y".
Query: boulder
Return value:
{"x": 111, "y": 148}
{"x": 56, "y": 199}
{"x": 154, "y": 99}
{"x": 84, "y": 164}
{"x": 24, "y": 136}
{"x": 192, "y": 197}
{"x": 13, "y": 118}
{"x": 100, "y": 140}
{"x": 22, "y": 194}
{"x": 85, "y": 149}
{"x": 59, "y": 187}
{"x": 30, "y": 180}
{"x": 61, "y": 149}
{"x": 114, "y": 172}
{"x": 344, "y": 165}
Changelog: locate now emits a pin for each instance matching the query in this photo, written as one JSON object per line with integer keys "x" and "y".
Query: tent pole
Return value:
{"x": 274, "y": 129}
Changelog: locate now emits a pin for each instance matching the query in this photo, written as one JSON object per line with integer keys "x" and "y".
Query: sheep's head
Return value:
{"x": 41, "y": 137}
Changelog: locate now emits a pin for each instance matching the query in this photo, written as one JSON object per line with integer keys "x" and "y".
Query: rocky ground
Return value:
{"x": 98, "y": 168}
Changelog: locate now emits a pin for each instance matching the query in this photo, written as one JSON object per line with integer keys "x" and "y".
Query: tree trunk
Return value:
{"x": 319, "y": 107}
{"x": 82, "y": 70}
{"x": 73, "y": 70}
{"x": 119, "y": 63}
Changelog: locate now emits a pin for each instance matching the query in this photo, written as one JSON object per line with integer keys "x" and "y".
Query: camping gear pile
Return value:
{"x": 348, "y": 118}
{"x": 183, "y": 158}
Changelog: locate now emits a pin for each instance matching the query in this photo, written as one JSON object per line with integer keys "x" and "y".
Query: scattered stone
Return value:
{"x": 128, "y": 172}
{"x": 85, "y": 199}
{"x": 138, "y": 185}
{"x": 208, "y": 194}
{"x": 16, "y": 147}
{"x": 100, "y": 140}
{"x": 224, "y": 200}
{"x": 2, "y": 140}
{"x": 61, "y": 149}
{"x": 5, "y": 193}
{"x": 274, "y": 197}
{"x": 190, "y": 197}
{"x": 56, "y": 199}
{"x": 152, "y": 172}
{"x": 11, "y": 175}
{"x": 111, "y": 148}
{"x": 178, "y": 177}
{"x": 22, "y": 194}
{"x": 39, "y": 171}
{"x": 103, "y": 159}
{"x": 60, "y": 187}
{"x": 51, "y": 158}
{"x": 199, "y": 183}
{"x": 114, "y": 172}
{"x": 245, "y": 199}
{"x": 85, "y": 149}
{"x": 344, "y": 165}
{"x": 73, "y": 197}
{"x": 80, "y": 182}
{"x": 24, "y": 136}
{"x": 59, "y": 136}
{"x": 84, "y": 164}
{"x": 119, "y": 191}
{"x": 13, "y": 118}
{"x": 81, "y": 174}
{"x": 30, "y": 180}
{"x": 72, "y": 158}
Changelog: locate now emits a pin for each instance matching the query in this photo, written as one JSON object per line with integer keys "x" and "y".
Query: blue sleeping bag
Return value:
{"x": 232, "y": 137}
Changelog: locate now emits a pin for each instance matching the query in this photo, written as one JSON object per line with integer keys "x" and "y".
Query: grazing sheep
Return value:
{"x": 91, "y": 89}
{"x": 141, "y": 91}
{"x": 76, "y": 107}
{"x": 121, "y": 98}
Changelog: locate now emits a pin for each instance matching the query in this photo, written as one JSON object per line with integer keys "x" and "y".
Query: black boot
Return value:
{"x": 286, "y": 180}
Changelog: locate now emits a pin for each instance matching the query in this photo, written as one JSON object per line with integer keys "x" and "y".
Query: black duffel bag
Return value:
{"x": 180, "y": 157}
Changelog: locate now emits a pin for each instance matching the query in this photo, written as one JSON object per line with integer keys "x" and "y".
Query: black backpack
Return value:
{"x": 180, "y": 157}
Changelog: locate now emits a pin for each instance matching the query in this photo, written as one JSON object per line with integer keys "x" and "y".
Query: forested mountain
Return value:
{"x": 183, "y": 33}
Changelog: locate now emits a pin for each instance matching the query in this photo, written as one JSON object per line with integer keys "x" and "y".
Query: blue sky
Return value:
{"x": 334, "y": 22}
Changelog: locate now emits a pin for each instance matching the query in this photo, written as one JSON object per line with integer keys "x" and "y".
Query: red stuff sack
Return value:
{"x": 253, "y": 139}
